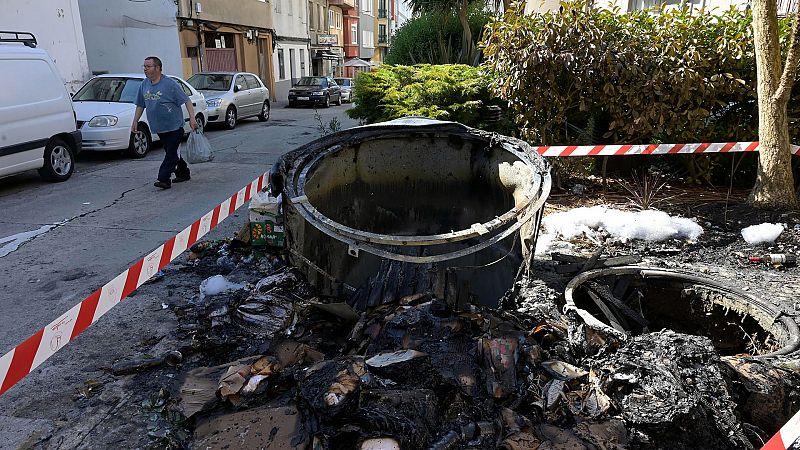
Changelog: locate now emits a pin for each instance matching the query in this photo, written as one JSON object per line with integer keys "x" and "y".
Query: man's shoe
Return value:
{"x": 178, "y": 179}
{"x": 162, "y": 184}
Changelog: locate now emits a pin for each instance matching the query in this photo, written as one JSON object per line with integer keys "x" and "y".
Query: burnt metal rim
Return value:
{"x": 790, "y": 326}
{"x": 358, "y": 239}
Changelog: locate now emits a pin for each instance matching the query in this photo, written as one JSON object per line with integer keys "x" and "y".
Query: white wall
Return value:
{"x": 289, "y": 18}
{"x": 57, "y": 27}
{"x": 119, "y": 34}
{"x": 282, "y": 85}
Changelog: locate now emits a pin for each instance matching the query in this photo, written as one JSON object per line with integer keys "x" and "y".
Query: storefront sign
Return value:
{"x": 327, "y": 39}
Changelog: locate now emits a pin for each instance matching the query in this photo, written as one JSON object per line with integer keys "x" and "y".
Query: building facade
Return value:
{"x": 291, "y": 58}
{"x": 336, "y": 28}
{"x": 366, "y": 24}
{"x": 382, "y": 29}
{"x": 214, "y": 36}
{"x": 119, "y": 35}
{"x": 57, "y": 27}
{"x": 323, "y": 60}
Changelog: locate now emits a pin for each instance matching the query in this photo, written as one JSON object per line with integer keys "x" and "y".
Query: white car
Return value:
{"x": 104, "y": 109}
{"x": 37, "y": 124}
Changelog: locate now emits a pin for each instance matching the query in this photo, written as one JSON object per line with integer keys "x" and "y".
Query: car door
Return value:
{"x": 259, "y": 92}
{"x": 193, "y": 97}
{"x": 241, "y": 96}
{"x": 252, "y": 92}
{"x": 336, "y": 91}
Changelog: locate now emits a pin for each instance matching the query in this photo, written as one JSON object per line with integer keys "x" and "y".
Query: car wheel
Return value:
{"x": 230, "y": 118}
{"x": 291, "y": 104}
{"x": 140, "y": 142}
{"x": 59, "y": 161}
{"x": 264, "y": 116}
{"x": 327, "y": 103}
{"x": 201, "y": 124}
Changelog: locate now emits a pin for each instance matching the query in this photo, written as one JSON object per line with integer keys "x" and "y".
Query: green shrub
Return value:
{"x": 582, "y": 75}
{"x": 446, "y": 92}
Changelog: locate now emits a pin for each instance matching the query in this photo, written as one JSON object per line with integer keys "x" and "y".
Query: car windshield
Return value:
{"x": 211, "y": 81}
{"x": 311, "y": 81}
{"x": 109, "y": 89}
{"x": 342, "y": 81}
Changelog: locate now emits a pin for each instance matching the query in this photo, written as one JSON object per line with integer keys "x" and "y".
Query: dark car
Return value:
{"x": 315, "y": 91}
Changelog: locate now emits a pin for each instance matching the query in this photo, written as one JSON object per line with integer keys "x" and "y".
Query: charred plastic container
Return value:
{"x": 452, "y": 207}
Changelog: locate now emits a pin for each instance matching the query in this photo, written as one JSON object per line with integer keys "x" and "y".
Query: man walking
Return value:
{"x": 162, "y": 97}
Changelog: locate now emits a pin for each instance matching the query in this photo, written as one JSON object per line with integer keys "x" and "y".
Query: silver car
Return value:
{"x": 231, "y": 96}
{"x": 347, "y": 88}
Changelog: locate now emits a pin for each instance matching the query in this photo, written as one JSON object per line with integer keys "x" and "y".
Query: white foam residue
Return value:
{"x": 762, "y": 234}
{"x": 217, "y": 285}
{"x": 648, "y": 225}
{"x": 13, "y": 242}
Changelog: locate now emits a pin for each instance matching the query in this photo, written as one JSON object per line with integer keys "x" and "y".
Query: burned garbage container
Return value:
{"x": 413, "y": 204}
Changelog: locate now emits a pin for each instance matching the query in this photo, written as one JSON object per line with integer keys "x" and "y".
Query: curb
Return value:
{"x": 25, "y": 357}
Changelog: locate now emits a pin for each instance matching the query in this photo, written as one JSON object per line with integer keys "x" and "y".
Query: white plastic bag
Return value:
{"x": 196, "y": 149}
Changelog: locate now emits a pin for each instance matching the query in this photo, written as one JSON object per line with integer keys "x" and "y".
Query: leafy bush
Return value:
{"x": 434, "y": 37}
{"x": 584, "y": 75}
{"x": 446, "y": 92}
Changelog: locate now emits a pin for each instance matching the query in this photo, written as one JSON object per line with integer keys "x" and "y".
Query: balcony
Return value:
{"x": 382, "y": 13}
{"x": 383, "y": 39}
{"x": 344, "y": 4}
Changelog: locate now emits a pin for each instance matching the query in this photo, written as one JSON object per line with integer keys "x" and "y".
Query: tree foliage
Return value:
{"x": 434, "y": 37}
{"x": 459, "y": 9}
{"x": 586, "y": 75}
{"x": 446, "y": 92}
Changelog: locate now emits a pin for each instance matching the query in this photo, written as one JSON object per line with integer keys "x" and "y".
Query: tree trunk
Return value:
{"x": 774, "y": 186}
{"x": 467, "y": 47}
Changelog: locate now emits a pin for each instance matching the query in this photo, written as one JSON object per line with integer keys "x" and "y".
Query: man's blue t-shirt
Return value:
{"x": 162, "y": 101}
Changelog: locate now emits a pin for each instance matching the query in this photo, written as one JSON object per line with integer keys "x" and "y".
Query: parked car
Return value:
{"x": 105, "y": 110}
{"x": 347, "y": 88}
{"x": 232, "y": 96}
{"x": 315, "y": 90}
{"x": 37, "y": 122}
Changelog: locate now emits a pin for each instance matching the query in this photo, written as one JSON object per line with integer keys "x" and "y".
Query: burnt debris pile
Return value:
{"x": 277, "y": 365}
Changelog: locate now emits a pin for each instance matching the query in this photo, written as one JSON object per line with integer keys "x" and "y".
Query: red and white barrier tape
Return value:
{"x": 786, "y": 436}
{"x": 20, "y": 361}
{"x": 651, "y": 149}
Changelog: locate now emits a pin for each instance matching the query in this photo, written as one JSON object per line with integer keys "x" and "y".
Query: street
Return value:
{"x": 109, "y": 214}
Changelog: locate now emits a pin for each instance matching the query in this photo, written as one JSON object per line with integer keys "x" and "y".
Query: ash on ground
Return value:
{"x": 272, "y": 364}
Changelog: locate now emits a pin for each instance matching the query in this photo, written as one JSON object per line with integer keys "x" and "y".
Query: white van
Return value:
{"x": 37, "y": 122}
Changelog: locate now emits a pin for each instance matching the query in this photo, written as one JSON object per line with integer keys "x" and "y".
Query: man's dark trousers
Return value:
{"x": 172, "y": 162}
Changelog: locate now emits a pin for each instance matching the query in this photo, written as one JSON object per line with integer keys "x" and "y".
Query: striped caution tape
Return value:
{"x": 25, "y": 357}
{"x": 786, "y": 436}
{"x": 651, "y": 149}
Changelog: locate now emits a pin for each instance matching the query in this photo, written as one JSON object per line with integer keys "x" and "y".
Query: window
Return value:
{"x": 302, "y": 62}
{"x": 320, "y": 18}
{"x": 381, "y": 34}
{"x": 310, "y": 15}
{"x": 278, "y": 6}
{"x": 252, "y": 82}
{"x": 291, "y": 6}
{"x": 292, "y": 63}
{"x": 382, "y": 13}
{"x": 331, "y": 20}
{"x": 184, "y": 87}
{"x": 366, "y": 6}
{"x": 367, "y": 39}
{"x": 281, "y": 67}
{"x": 354, "y": 34}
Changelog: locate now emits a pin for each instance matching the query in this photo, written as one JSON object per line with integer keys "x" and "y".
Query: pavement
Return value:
{"x": 94, "y": 226}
